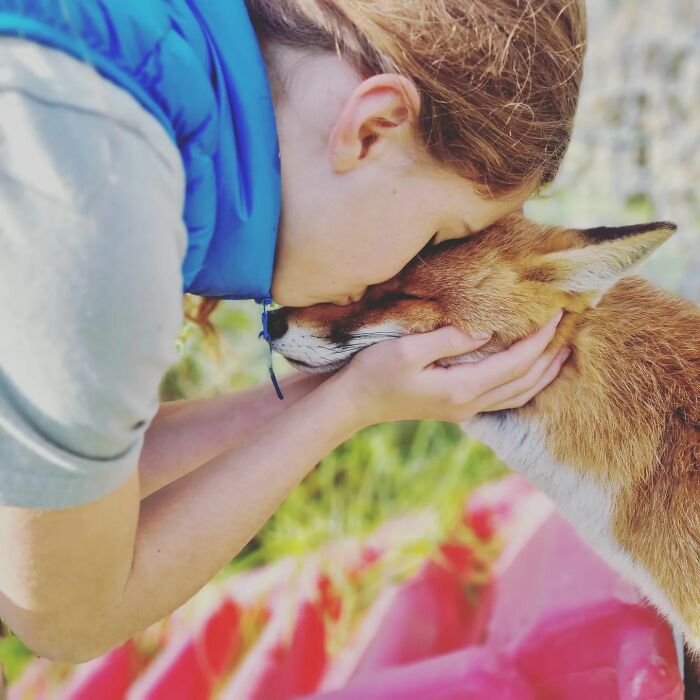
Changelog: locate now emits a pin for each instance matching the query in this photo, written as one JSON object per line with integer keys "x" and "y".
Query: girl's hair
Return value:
{"x": 498, "y": 79}
{"x": 198, "y": 310}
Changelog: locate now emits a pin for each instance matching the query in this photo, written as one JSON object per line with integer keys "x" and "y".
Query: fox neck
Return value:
{"x": 598, "y": 441}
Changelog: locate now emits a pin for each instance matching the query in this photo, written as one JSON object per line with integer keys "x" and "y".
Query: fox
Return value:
{"x": 614, "y": 440}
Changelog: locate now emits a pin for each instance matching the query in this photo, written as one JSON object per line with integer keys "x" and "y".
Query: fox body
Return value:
{"x": 615, "y": 439}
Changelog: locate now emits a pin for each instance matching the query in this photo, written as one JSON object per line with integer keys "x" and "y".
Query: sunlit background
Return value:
{"x": 633, "y": 158}
{"x": 635, "y": 154}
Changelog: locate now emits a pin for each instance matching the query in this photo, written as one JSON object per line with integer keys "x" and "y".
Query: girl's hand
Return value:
{"x": 396, "y": 379}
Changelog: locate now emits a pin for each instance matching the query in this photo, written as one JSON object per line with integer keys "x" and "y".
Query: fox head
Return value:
{"x": 509, "y": 280}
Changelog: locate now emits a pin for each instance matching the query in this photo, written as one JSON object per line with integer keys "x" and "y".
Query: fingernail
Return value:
{"x": 564, "y": 354}
{"x": 480, "y": 336}
{"x": 558, "y": 317}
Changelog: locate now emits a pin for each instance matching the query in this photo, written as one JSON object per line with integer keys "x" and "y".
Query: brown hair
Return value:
{"x": 498, "y": 79}
{"x": 198, "y": 310}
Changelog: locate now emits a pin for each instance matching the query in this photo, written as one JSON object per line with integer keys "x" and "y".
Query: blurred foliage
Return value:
{"x": 14, "y": 656}
{"x": 383, "y": 472}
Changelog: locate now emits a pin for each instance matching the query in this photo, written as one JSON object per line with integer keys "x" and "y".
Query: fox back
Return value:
{"x": 615, "y": 439}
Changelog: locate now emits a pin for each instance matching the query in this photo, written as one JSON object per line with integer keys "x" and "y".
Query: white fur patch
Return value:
{"x": 583, "y": 500}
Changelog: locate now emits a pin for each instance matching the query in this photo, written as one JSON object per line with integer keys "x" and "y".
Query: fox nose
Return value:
{"x": 277, "y": 324}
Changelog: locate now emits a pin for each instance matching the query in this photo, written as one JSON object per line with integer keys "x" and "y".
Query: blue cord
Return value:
{"x": 264, "y": 334}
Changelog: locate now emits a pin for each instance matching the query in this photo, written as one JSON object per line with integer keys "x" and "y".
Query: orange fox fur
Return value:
{"x": 615, "y": 439}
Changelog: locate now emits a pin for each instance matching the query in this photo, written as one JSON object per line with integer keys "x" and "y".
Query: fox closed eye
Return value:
{"x": 398, "y": 295}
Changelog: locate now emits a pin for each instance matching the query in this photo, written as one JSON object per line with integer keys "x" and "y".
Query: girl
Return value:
{"x": 139, "y": 159}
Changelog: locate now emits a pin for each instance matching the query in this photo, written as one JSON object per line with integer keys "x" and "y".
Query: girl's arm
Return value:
{"x": 55, "y": 595}
{"x": 186, "y": 434}
{"x": 77, "y": 582}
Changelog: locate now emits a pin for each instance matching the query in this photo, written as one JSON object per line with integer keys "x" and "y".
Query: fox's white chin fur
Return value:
{"x": 313, "y": 354}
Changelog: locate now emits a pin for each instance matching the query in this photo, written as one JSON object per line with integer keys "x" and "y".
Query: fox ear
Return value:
{"x": 602, "y": 256}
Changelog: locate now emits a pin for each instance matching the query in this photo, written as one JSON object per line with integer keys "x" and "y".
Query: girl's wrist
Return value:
{"x": 346, "y": 400}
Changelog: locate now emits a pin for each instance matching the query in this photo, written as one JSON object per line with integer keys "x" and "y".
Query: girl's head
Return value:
{"x": 403, "y": 122}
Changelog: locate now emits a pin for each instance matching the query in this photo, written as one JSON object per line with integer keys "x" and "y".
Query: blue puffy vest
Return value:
{"x": 197, "y": 67}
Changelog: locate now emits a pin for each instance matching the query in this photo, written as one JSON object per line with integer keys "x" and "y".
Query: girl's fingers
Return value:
{"x": 422, "y": 349}
{"x": 517, "y": 360}
{"x": 520, "y": 399}
{"x": 498, "y": 370}
{"x": 522, "y": 384}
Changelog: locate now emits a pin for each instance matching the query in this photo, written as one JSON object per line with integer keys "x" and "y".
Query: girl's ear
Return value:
{"x": 382, "y": 108}
{"x": 604, "y": 255}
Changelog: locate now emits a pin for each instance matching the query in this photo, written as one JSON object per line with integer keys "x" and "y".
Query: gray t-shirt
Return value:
{"x": 91, "y": 247}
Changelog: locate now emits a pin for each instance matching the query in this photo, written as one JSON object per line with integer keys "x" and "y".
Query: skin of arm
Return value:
{"x": 71, "y": 592}
{"x": 186, "y": 434}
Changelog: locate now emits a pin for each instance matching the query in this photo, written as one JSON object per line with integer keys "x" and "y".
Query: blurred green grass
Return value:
{"x": 14, "y": 656}
{"x": 382, "y": 472}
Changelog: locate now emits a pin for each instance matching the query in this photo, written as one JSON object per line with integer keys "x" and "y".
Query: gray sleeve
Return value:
{"x": 91, "y": 242}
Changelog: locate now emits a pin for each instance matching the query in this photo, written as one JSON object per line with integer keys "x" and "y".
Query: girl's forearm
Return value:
{"x": 189, "y": 529}
{"x": 186, "y": 434}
